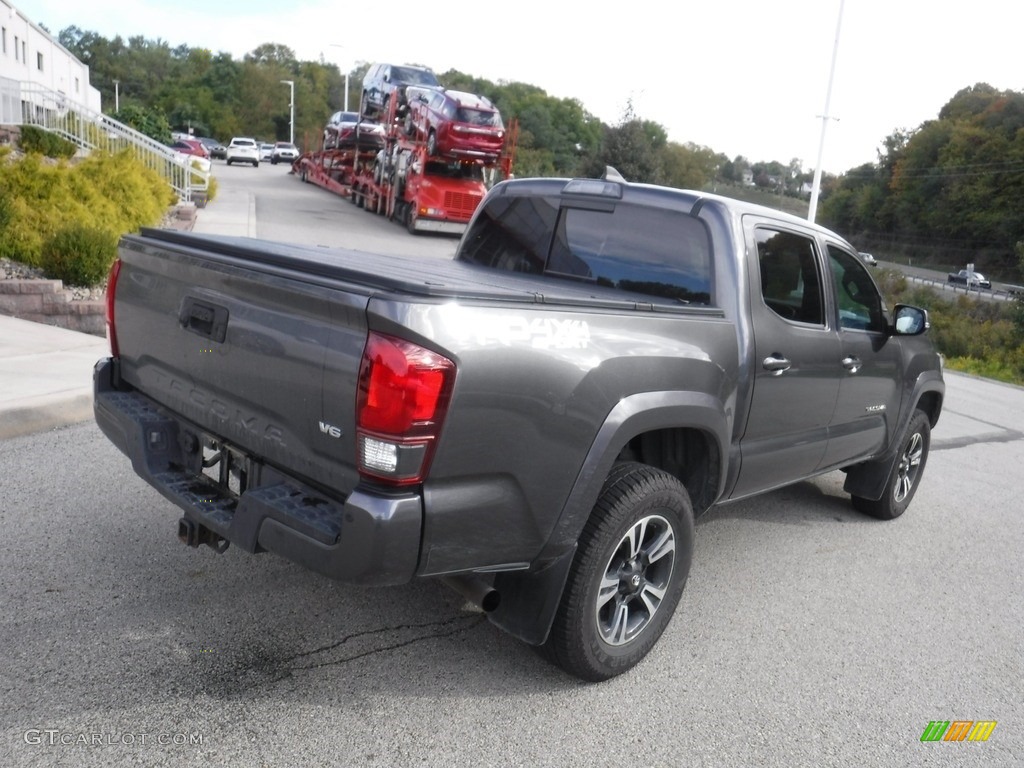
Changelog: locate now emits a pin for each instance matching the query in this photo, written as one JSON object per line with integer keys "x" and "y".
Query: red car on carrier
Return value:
{"x": 455, "y": 124}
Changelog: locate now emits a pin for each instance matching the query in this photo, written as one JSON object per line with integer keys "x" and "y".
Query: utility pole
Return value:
{"x": 344, "y": 106}
{"x": 117, "y": 96}
{"x": 291, "y": 100}
{"x": 816, "y": 185}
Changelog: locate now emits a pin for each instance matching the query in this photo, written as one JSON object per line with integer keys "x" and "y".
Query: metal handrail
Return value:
{"x": 90, "y": 130}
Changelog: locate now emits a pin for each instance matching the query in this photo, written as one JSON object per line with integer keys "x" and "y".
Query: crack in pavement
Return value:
{"x": 258, "y": 668}
{"x": 463, "y": 623}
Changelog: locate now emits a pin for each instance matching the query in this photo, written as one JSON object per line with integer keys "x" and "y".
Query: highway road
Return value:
{"x": 808, "y": 635}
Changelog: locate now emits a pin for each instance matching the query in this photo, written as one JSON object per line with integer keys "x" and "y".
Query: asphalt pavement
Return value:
{"x": 46, "y": 371}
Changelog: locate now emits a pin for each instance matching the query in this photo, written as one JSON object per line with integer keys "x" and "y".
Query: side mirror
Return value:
{"x": 910, "y": 321}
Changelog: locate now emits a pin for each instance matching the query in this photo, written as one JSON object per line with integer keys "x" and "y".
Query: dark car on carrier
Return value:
{"x": 383, "y": 81}
{"x": 344, "y": 130}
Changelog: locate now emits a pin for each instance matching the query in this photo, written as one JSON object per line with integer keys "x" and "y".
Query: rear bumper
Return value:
{"x": 363, "y": 538}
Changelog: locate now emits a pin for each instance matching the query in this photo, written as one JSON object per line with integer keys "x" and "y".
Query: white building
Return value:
{"x": 43, "y": 84}
{"x": 37, "y": 72}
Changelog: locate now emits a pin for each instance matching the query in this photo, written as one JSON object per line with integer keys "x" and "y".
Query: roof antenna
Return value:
{"x": 610, "y": 174}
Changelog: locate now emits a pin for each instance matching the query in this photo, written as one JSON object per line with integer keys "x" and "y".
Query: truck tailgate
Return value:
{"x": 239, "y": 348}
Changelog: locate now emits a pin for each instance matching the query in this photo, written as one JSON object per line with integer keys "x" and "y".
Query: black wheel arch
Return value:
{"x": 683, "y": 433}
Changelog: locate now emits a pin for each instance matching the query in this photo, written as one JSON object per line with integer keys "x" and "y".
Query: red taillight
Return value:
{"x": 404, "y": 391}
{"x": 115, "y": 270}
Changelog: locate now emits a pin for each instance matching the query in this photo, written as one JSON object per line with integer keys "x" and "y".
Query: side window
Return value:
{"x": 447, "y": 108}
{"x": 790, "y": 278}
{"x": 860, "y": 305}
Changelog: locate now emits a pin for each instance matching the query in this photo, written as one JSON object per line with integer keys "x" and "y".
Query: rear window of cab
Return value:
{"x": 661, "y": 254}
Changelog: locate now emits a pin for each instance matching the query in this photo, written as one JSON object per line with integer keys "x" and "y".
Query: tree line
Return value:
{"x": 159, "y": 89}
{"x": 945, "y": 193}
{"x": 948, "y": 192}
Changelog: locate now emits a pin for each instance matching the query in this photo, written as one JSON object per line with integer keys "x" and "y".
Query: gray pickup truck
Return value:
{"x": 538, "y": 421}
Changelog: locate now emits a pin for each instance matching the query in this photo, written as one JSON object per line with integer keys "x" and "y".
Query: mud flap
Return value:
{"x": 530, "y": 599}
{"x": 869, "y": 480}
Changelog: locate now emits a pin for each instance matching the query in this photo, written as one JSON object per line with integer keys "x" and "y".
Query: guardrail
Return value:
{"x": 1009, "y": 294}
{"x": 92, "y": 130}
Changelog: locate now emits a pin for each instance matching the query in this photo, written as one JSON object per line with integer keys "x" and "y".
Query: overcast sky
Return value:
{"x": 743, "y": 77}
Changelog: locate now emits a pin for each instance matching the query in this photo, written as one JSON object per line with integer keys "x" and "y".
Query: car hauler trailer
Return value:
{"x": 403, "y": 181}
{"x": 333, "y": 169}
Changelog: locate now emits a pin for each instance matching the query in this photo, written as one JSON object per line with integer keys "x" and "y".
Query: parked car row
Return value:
{"x": 241, "y": 149}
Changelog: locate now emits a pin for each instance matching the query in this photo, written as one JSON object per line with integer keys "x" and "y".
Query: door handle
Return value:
{"x": 776, "y": 363}
{"x": 852, "y": 364}
{"x": 205, "y": 319}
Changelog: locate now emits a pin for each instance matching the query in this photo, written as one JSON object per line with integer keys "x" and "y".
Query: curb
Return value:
{"x": 46, "y": 412}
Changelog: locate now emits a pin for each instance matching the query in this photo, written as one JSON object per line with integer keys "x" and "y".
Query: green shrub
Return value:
{"x": 114, "y": 192}
{"x": 35, "y": 139}
{"x": 7, "y": 211}
{"x": 79, "y": 254}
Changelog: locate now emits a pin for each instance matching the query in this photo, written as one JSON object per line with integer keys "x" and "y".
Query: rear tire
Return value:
{"x": 627, "y": 576}
{"x": 904, "y": 473}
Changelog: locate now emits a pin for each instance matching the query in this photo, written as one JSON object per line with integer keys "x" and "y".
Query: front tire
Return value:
{"x": 904, "y": 474}
{"x": 627, "y": 576}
